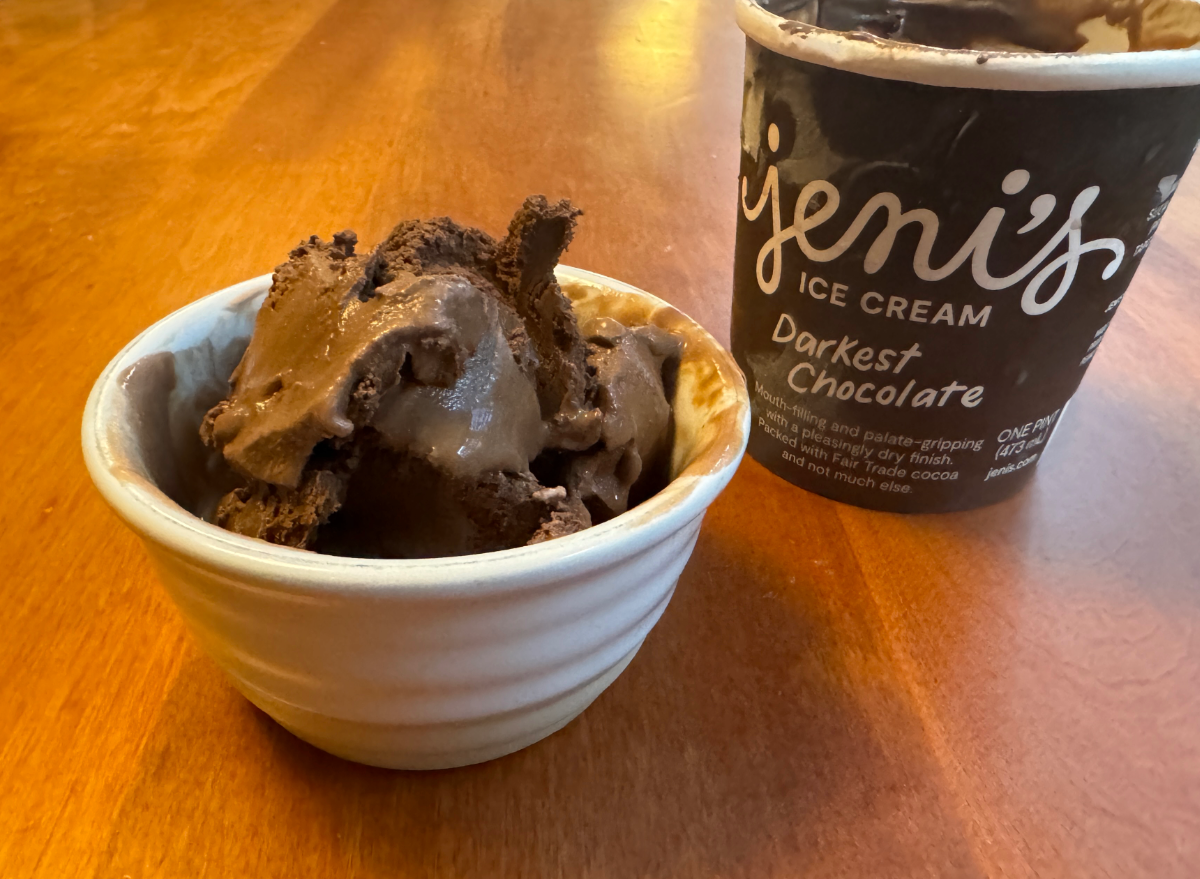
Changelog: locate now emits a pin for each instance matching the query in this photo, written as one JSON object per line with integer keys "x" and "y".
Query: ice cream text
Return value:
{"x": 977, "y": 247}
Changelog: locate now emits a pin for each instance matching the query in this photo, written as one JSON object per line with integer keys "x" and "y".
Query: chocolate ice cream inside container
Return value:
{"x": 407, "y": 663}
{"x": 1009, "y": 25}
{"x": 932, "y": 243}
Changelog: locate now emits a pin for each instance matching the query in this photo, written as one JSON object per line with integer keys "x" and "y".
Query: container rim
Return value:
{"x": 967, "y": 68}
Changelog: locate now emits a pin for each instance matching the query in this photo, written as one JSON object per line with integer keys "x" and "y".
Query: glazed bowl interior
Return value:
{"x": 141, "y": 428}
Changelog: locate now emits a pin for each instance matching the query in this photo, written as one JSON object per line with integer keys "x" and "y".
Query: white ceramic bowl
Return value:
{"x": 407, "y": 664}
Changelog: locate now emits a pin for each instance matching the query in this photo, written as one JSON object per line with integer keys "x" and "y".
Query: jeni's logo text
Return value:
{"x": 976, "y": 248}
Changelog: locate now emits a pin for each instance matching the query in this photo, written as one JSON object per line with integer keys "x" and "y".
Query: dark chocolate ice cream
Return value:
{"x": 437, "y": 397}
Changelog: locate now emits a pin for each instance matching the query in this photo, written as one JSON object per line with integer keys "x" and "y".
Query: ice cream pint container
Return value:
{"x": 931, "y": 245}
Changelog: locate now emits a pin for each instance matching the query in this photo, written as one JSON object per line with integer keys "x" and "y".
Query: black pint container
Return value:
{"x": 931, "y": 245}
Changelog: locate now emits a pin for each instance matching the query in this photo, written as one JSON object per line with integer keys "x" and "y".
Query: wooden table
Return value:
{"x": 833, "y": 692}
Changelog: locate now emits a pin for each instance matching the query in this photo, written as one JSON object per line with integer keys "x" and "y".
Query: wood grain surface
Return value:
{"x": 833, "y": 692}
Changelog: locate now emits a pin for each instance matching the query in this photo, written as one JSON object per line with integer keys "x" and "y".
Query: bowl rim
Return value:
{"x": 158, "y": 520}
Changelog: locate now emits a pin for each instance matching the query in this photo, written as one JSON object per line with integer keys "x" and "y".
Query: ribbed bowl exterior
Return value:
{"x": 432, "y": 678}
{"x": 430, "y": 663}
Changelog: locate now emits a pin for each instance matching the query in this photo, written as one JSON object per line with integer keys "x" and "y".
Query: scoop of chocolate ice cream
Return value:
{"x": 633, "y": 368}
{"x": 399, "y": 404}
{"x": 327, "y": 345}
